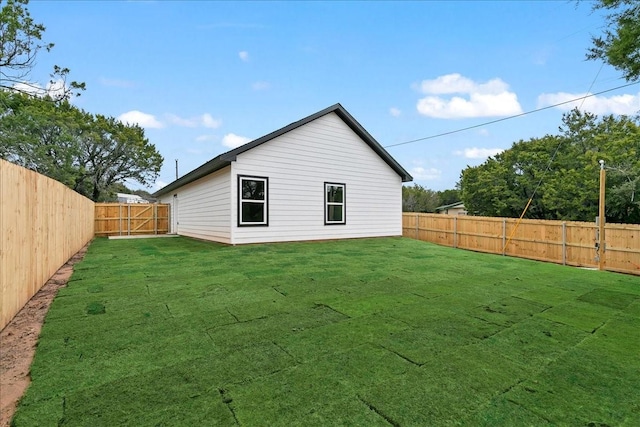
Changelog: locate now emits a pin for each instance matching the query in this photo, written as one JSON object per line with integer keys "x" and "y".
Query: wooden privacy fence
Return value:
{"x": 117, "y": 219}
{"x": 562, "y": 242}
{"x": 42, "y": 224}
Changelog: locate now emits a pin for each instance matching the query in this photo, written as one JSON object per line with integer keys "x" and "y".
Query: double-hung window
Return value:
{"x": 253, "y": 200}
{"x": 334, "y": 203}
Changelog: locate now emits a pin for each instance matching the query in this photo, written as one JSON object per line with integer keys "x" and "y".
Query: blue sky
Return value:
{"x": 202, "y": 77}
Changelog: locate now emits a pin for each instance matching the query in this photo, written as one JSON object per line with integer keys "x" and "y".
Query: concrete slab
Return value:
{"x": 142, "y": 236}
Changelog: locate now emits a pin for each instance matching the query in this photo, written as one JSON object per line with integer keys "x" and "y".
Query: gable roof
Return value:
{"x": 225, "y": 159}
{"x": 451, "y": 206}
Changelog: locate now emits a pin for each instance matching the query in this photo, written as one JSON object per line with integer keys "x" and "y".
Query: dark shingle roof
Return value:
{"x": 225, "y": 159}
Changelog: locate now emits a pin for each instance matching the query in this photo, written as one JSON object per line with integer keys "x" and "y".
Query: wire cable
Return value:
{"x": 553, "y": 157}
{"x": 512, "y": 117}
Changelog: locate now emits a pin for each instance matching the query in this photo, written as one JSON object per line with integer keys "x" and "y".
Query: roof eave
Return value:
{"x": 211, "y": 166}
{"x": 450, "y": 206}
{"x": 371, "y": 141}
{"x": 225, "y": 159}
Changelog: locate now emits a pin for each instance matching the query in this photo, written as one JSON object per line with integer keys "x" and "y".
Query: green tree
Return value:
{"x": 110, "y": 194}
{"x": 619, "y": 45}
{"x": 416, "y": 198}
{"x": 40, "y": 135}
{"x": 621, "y": 139}
{"x": 111, "y": 152}
{"x": 20, "y": 43}
{"x": 561, "y": 172}
{"x": 144, "y": 194}
{"x": 447, "y": 197}
{"x": 89, "y": 153}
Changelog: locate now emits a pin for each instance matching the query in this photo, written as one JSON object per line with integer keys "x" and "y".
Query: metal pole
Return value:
{"x": 601, "y": 239}
{"x": 176, "y": 169}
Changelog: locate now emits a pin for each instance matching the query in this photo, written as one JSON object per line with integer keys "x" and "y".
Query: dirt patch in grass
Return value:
{"x": 19, "y": 339}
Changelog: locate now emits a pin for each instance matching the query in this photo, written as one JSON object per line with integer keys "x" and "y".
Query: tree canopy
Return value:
{"x": 417, "y": 198}
{"x": 41, "y": 130}
{"x": 448, "y": 197}
{"x": 619, "y": 45}
{"x": 89, "y": 153}
{"x": 569, "y": 188}
{"x": 20, "y": 43}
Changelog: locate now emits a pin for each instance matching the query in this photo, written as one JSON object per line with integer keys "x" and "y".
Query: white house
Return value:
{"x": 456, "y": 208}
{"x": 322, "y": 177}
{"x": 130, "y": 198}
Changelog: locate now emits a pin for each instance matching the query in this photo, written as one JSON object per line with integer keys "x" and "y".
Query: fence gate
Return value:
{"x": 126, "y": 219}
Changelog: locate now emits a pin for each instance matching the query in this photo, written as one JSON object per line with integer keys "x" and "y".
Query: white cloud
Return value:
{"x": 55, "y": 89}
{"x": 616, "y": 104}
{"x": 489, "y": 99}
{"x": 159, "y": 184}
{"x": 144, "y": 120}
{"x": 395, "y": 112}
{"x": 261, "y": 86}
{"x": 449, "y": 83}
{"x": 179, "y": 121}
{"x": 205, "y": 138}
{"x": 244, "y": 55}
{"x": 232, "y": 140}
{"x": 29, "y": 88}
{"x": 541, "y": 56}
{"x": 483, "y": 132}
{"x": 209, "y": 122}
{"x": 204, "y": 120}
{"x": 478, "y": 153}
{"x": 428, "y": 174}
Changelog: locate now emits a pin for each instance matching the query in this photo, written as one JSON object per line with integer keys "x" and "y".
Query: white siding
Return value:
{"x": 298, "y": 164}
{"x": 204, "y": 207}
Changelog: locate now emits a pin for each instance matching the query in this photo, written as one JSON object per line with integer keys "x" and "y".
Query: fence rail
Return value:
{"x": 562, "y": 242}
{"x": 117, "y": 219}
{"x": 42, "y": 225}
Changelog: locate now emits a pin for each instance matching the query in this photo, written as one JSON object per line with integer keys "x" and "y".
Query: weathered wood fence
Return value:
{"x": 562, "y": 242}
{"x": 117, "y": 219}
{"x": 42, "y": 224}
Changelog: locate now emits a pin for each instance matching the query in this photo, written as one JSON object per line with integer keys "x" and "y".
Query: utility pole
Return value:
{"x": 601, "y": 222}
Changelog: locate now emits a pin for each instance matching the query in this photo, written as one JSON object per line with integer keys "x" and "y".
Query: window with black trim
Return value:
{"x": 334, "y": 203}
{"x": 253, "y": 201}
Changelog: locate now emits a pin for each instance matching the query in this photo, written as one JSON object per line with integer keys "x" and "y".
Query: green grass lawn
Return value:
{"x": 169, "y": 332}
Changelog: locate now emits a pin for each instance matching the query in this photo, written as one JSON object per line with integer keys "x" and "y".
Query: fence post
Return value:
{"x": 455, "y": 231}
{"x": 602, "y": 245}
{"x": 504, "y": 236}
{"x": 128, "y": 219}
{"x": 120, "y": 220}
{"x": 155, "y": 218}
{"x": 564, "y": 243}
{"x": 417, "y": 227}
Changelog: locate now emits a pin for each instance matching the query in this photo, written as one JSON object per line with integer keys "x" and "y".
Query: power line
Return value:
{"x": 511, "y": 117}
{"x": 555, "y": 153}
